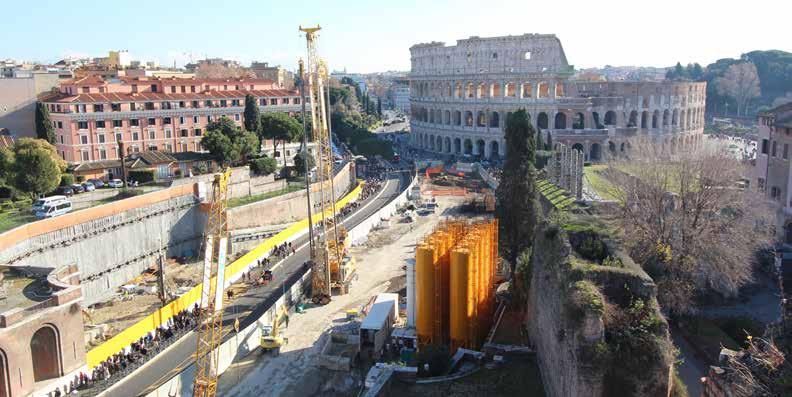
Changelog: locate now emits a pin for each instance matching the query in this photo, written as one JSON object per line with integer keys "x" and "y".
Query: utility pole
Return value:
{"x": 123, "y": 163}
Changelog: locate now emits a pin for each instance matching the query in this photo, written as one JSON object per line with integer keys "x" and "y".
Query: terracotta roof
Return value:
{"x": 162, "y": 96}
{"x": 86, "y": 81}
{"x": 97, "y": 165}
{"x": 151, "y": 158}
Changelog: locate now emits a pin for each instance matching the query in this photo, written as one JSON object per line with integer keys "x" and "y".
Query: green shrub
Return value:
{"x": 263, "y": 165}
{"x": 67, "y": 179}
{"x": 200, "y": 168}
{"x": 80, "y": 179}
{"x": 586, "y": 298}
{"x": 178, "y": 173}
{"x": 142, "y": 176}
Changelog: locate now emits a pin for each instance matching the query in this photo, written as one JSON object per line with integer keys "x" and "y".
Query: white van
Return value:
{"x": 39, "y": 204}
{"x": 54, "y": 209}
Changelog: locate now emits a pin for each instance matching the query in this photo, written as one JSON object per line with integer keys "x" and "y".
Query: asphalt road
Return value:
{"x": 180, "y": 355}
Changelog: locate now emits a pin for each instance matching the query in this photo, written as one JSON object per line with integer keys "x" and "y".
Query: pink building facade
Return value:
{"x": 91, "y": 115}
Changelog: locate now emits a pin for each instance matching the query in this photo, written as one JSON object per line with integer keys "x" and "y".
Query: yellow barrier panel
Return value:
{"x": 186, "y": 301}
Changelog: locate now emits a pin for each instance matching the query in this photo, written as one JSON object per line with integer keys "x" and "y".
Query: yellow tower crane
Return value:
{"x": 210, "y": 323}
{"x": 328, "y": 249}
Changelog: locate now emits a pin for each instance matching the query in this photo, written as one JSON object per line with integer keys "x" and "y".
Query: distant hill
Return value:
{"x": 775, "y": 75}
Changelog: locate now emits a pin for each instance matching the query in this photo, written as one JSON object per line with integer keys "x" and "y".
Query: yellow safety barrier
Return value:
{"x": 186, "y": 301}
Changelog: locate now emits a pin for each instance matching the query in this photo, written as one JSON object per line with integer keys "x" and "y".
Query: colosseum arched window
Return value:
{"x": 458, "y": 90}
{"x": 457, "y": 117}
{"x": 468, "y": 119}
{"x": 655, "y": 117}
{"x": 494, "y": 120}
{"x": 560, "y": 121}
{"x": 469, "y": 91}
{"x": 511, "y": 90}
{"x": 610, "y": 118}
{"x": 675, "y": 118}
{"x": 632, "y": 121}
{"x": 559, "y": 90}
{"x": 447, "y": 118}
{"x": 644, "y": 119}
{"x": 496, "y": 90}
{"x": 542, "y": 121}
{"x": 544, "y": 90}
{"x": 665, "y": 118}
{"x": 481, "y": 119}
{"x": 527, "y": 90}
{"x": 481, "y": 91}
{"x": 578, "y": 122}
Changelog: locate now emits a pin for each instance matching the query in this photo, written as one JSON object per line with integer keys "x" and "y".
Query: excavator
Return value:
{"x": 271, "y": 339}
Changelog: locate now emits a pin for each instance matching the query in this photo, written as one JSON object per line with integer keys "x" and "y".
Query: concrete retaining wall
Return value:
{"x": 243, "y": 182}
{"x": 111, "y": 250}
{"x": 286, "y": 208}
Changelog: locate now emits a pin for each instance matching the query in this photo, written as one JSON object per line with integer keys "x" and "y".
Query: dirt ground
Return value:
{"x": 518, "y": 376}
{"x": 123, "y": 310}
{"x": 380, "y": 265}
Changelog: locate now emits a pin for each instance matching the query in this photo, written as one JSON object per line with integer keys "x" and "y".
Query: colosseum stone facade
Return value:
{"x": 462, "y": 95}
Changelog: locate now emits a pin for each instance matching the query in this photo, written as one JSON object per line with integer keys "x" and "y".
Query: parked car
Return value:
{"x": 77, "y": 188}
{"x": 88, "y": 186}
{"x": 65, "y": 190}
{"x": 115, "y": 183}
{"x": 53, "y": 209}
{"x": 98, "y": 183}
{"x": 40, "y": 203}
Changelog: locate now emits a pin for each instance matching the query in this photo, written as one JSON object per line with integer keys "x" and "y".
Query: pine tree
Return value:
{"x": 516, "y": 192}
{"x": 44, "y": 128}
{"x": 252, "y": 116}
{"x": 379, "y": 107}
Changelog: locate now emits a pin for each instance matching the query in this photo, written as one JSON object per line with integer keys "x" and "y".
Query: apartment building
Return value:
{"x": 91, "y": 115}
{"x": 773, "y": 165}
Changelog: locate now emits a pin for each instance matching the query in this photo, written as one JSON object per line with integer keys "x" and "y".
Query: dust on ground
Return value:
{"x": 380, "y": 266}
{"x": 125, "y": 309}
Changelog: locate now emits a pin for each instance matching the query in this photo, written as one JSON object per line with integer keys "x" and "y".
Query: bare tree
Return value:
{"x": 740, "y": 82}
{"x": 686, "y": 221}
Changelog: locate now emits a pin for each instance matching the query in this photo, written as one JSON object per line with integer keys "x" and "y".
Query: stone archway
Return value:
{"x": 45, "y": 353}
{"x": 494, "y": 150}
{"x": 578, "y": 122}
{"x": 610, "y": 118}
{"x": 596, "y": 152}
{"x": 494, "y": 121}
{"x": 560, "y": 121}
{"x": 447, "y": 145}
{"x": 457, "y": 146}
{"x": 481, "y": 148}
{"x": 542, "y": 121}
{"x": 468, "y": 148}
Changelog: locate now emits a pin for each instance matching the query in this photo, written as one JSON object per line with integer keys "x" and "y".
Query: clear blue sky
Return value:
{"x": 368, "y": 36}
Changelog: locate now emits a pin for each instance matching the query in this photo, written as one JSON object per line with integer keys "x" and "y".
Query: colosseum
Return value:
{"x": 462, "y": 95}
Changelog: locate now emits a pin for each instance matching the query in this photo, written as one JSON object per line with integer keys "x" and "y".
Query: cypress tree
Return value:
{"x": 44, "y": 128}
{"x": 252, "y": 116}
{"x": 379, "y": 107}
{"x": 516, "y": 193}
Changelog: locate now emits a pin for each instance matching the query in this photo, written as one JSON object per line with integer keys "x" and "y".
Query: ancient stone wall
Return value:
{"x": 569, "y": 299}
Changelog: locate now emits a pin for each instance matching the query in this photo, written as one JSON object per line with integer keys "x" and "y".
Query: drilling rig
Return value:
{"x": 328, "y": 253}
{"x": 210, "y": 323}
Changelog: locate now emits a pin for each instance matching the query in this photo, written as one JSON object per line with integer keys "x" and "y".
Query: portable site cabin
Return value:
{"x": 376, "y": 327}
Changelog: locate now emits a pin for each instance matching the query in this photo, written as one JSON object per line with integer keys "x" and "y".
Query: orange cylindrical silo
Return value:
{"x": 425, "y": 297}
{"x": 460, "y": 264}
